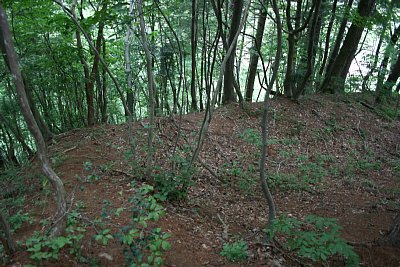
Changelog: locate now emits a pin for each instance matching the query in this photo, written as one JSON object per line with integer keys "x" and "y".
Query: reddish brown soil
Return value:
{"x": 217, "y": 209}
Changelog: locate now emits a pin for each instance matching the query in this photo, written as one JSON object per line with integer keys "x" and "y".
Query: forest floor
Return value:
{"x": 328, "y": 156}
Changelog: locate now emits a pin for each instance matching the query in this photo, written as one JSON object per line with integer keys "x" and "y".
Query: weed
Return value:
{"x": 252, "y": 136}
{"x": 41, "y": 248}
{"x": 18, "y": 219}
{"x": 319, "y": 243}
{"x": 235, "y": 252}
{"x": 144, "y": 246}
{"x": 103, "y": 236}
{"x": 174, "y": 184}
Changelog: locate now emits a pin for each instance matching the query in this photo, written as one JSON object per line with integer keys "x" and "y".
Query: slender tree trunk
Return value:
{"x": 150, "y": 86}
{"x": 213, "y": 99}
{"x": 264, "y": 122}
{"x": 372, "y": 67}
{"x": 55, "y": 181}
{"x": 391, "y": 79}
{"x": 384, "y": 63}
{"x": 327, "y": 42}
{"x": 193, "y": 40}
{"x": 5, "y": 235}
{"x": 310, "y": 51}
{"x": 254, "y": 52}
{"x": 229, "y": 92}
{"x": 127, "y": 58}
{"x": 339, "y": 38}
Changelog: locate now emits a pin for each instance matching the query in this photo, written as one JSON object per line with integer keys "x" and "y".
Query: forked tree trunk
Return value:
{"x": 55, "y": 181}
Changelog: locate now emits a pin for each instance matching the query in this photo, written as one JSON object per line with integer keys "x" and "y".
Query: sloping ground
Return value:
{"x": 328, "y": 157}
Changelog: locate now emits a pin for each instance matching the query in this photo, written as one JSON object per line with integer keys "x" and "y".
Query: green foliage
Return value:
{"x": 103, "y": 236}
{"x": 174, "y": 184}
{"x": 319, "y": 243}
{"x": 18, "y": 219}
{"x": 144, "y": 245}
{"x": 42, "y": 248}
{"x": 252, "y": 136}
{"x": 235, "y": 252}
{"x": 389, "y": 112}
{"x": 247, "y": 177}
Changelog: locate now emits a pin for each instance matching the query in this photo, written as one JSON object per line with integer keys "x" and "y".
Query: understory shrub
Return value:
{"x": 318, "y": 242}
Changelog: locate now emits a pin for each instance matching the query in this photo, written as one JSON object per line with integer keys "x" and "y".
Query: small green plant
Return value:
{"x": 174, "y": 184}
{"x": 144, "y": 245}
{"x": 319, "y": 243}
{"x": 88, "y": 167}
{"x": 41, "y": 248}
{"x": 103, "y": 236}
{"x": 235, "y": 252}
{"x": 18, "y": 219}
{"x": 252, "y": 136}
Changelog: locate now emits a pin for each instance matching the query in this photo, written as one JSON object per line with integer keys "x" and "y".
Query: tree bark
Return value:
{"x": 193, "y": 40}
{"x": 5, "y": 235}
{"x": 264, "y": 123}
{"x": 150, "y": 86}
{"x": 127, "y": 57}
{"x": 229, "y": 90}
{"x": 310, "y": 50}
{"x": 327, "y": 42}
{"x": 255, "y": 50}
{"x": 385, "y": 61}
{"x": 55, "y": 181}
{"x": 336, "y": 76}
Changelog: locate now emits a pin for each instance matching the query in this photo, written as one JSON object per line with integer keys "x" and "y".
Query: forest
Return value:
{"x": 199, "y": 133}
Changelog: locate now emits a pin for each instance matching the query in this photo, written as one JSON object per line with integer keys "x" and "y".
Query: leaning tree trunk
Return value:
{"x": 55, "y": 181}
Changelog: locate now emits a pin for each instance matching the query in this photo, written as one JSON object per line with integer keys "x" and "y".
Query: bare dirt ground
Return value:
{"x": 352, "y": 154}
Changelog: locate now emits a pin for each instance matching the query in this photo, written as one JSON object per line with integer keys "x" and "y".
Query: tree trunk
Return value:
{"x": 372, "y": 67}
{"x": 150, "y": 86}
{"x": 55, "y": 181}
{"x": 127, "y": 58}
{"x": 327, "y": 43}
{"x": 310, "y": 50}
{"x": 229, "y": 92}
{"x": 193, "y": 40}
{"x": 335, "y": 78}
{"x": 5, "y": 235}
{"x": 254, "y": 52}
{"x": 391, "y": 80}
{"x": 384, "y": 63}
{"x": 264, "y": 121}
